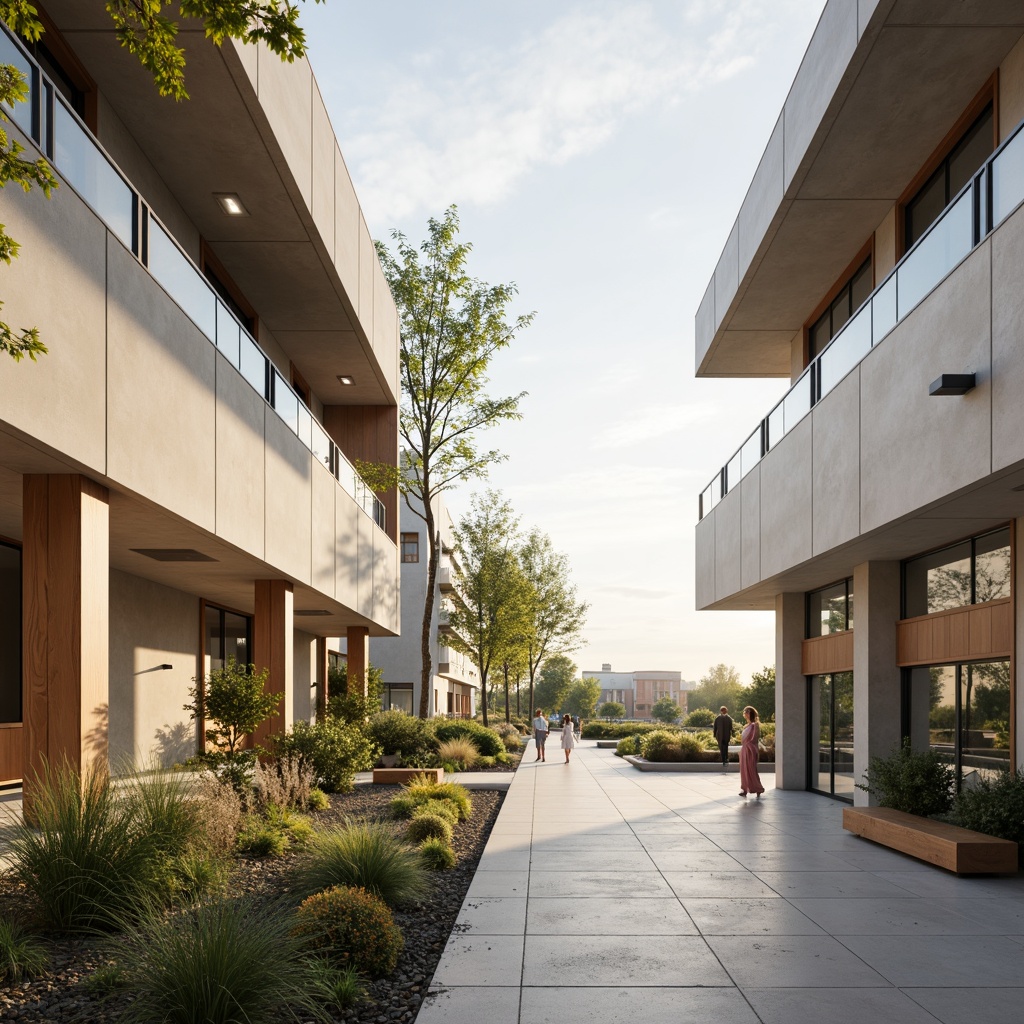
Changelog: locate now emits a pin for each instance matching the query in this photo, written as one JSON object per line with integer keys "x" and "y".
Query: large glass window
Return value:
{"x": 398, "y": 697}
{"x": 228, "y": 637}
{"x": 831, "y": 734}
{"x": 971, "y": 572}
{"x": 10, "y": 633}
{"x": 973, "y": 149}
{"x": 830, "y": 610}
{"x": 850, "y": 298}
{"x": 962, "y": 711}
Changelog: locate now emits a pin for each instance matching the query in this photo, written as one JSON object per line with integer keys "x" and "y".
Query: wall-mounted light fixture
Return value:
{"x": 952, "y": 384}
{"x": 231, "y": 204}
{"x": 344, "y": 378}
{"x": 166, "y": 668}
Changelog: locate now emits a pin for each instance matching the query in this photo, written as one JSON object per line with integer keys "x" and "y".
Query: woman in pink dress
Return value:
{"x": 750, "y": 781}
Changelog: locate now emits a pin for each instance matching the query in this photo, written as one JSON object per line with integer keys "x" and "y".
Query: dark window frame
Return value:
{"x": 847, "y": 582}
{"x": 14, "y": 545}
{"x": 844, "y": 284}
{"x": 412, "y": 556}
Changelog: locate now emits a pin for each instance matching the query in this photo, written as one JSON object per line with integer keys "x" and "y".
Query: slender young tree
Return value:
{"x": 493, "y": 592}
{"x": 452, "y": 325}
{"x": 557, "y": 617}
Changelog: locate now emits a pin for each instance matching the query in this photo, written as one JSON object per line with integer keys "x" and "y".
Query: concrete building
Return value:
{"x": 455, "y": 686}
{"x": 875, "y": 261}
{"x": 176, "y": 481}
{"x": 637, "y": 691}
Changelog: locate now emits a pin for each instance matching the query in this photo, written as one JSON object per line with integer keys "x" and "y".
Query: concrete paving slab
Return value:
{"x": 968, "y": 1005}
{"x": 716, "y": 916}
{"x": 597, "y": 915}
{"x": 573, "y": 1005}
{"x": 471, "y": 1005}
{"x": 480, "y": 960}
{"x": 838, "y": 1006}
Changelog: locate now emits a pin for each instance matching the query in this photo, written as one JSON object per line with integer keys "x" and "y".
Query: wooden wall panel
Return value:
{"x": 272, "y": 642}
{"x": 824, "y": 654}
{"x": 12, "y": 753}
{"x": 370, "y": 433}
{"x": 975, "y": 633}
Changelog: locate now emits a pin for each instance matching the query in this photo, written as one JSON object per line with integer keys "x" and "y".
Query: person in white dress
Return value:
{"x": 568, "y": 736}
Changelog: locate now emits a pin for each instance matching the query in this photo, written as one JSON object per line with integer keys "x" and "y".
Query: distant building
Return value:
{"x": 638, "y": 691}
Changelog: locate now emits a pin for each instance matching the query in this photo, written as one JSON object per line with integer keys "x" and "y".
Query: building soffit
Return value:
{"x": 221, "y": 140}
{"x": 835, "y": 165}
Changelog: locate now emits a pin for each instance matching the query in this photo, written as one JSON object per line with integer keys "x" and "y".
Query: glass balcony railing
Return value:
{"x": 982, "y": 205}
{"x": 80, "y": 160}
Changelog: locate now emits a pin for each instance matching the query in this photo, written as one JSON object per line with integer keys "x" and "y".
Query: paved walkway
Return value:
{"x": 611, "y": 896}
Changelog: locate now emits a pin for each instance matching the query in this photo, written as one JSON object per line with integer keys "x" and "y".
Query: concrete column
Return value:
{"x": 65, "y": 623}
{"x": 876, "y": 676}
{"x": 322, "y": 679}
{"x": 1016, "y": 662}
{"x": 790, "y": 692}
{"x": 273, "y": 649}
{"x": 358, "y": 647}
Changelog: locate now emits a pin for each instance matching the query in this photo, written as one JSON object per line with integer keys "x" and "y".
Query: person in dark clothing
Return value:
{"x": 723, "y": 732}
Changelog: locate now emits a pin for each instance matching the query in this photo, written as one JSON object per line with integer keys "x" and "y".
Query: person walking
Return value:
{"x": 568, "y": 736}
{"x": 576, "y": 725}
{"x": 540, "y": 733}
{"x": 723, "y": 733}
{"x": 750, "y": 781}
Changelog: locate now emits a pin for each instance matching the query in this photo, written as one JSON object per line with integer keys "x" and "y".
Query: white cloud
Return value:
{"x": 650, "y": 422}
{"x": 473, "y": 127}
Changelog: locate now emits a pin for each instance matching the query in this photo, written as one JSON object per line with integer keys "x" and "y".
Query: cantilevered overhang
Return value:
{"x": 880, "y": 85}
{"x": 256, "y": 127}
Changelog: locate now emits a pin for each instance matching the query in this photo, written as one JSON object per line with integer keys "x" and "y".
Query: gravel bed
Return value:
{"x": 63, "y": 994}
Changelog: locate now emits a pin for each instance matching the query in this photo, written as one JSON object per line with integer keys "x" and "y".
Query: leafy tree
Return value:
{"x": 720, "y": 686}
{"x": 761, "y": 693}
{"x": 583, "y": 697}
{"x": 612, "y": 709}
{"x": 701, "y": 717}
{"x": 492, "y": 592}
{"x": 234, "y": 700}
{"x": 557, "y": 675}
{"x": 354, "y": 707}
{"x": 557, "y": 618}
{"x": 452, "y": 325}
{"x": 665, "y": 709}
{"x": 145, "y": 30}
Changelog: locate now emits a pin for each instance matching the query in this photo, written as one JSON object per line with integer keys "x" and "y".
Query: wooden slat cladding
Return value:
{"x": 975, "y": 633}
{"x": 823, "y": 654}
{"x": 12, "y": 753}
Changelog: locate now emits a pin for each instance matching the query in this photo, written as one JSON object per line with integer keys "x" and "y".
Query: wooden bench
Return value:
{"x": 947, "y": 846}
{"x": 402, "y": 776}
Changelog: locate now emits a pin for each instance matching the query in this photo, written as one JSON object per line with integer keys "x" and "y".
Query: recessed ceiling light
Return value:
{"x": 344, "y": 378}
{"x": 231, "y": 204}
{"x": 311, "y": 611}
{"x": 174, "y": 554}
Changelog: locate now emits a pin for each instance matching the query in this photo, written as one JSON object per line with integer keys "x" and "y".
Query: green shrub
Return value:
{"x": 437, "y": 854}
{"x": 21, "y": 955}
{"x": 233, "y": 701}
{"x": 404, "y": 806}
{"x": 994, "y": 806}
{"x": 461, "y": 751}
{"x": 354, "y": 707}
{"x": 337, "y": 987}
{"x": 444, "y": 808}
{"x": 486, "y": 741}
{"x": 296, "y": 828}
{"x": 332, "y": 751}
{"x": 318, "y": 800}
{"x": 917, "y": 782}
{"x": 616, "y": 730}
{"x": 369, "y": 856}
{"x": 422, "y": 789}
{"x": 258, "y": 838}
{"x": 700, "y": 717}
{"x": 629, "y": 746}
{"x": 503, "y": 758}
{"x": 352, "y": 926}
{"x": 428, "y": 826}
{"x": 395, "y": 732}
{"x": 671, "y": 746}
{"x": 198, "y": 876}
{"x": 486, "y": 762}
{"x": 510, "y": 736}
{"x": 219, "y": 963}
{"x": 87, "y": 859}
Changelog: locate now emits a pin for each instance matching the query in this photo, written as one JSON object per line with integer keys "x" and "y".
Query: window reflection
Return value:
{"x": 829, "y": 609}
{"x": 832, "y": 734}
{"x": 971, "y": 572}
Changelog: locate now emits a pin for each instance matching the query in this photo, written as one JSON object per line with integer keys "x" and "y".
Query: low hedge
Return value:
{"x": 596, "y": 730}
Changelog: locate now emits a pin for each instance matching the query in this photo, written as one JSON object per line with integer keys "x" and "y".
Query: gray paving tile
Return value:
{"x": 910, "y": 916}
{"x": 593, "y": 860}
{"x": 503, "y": 915}
{"x": 483, "y": 960}
{"x": 605, "y": 960}
{"x": 725, "y": 884}
{"x": 658, "y": 841}
{"x": 849, "y": 884}
{"x": 622, "y": 884}
{"x": 937, "y": 961}
{"x": 470, "y": 1005}
{"x": 694, "y": 860}
{"x": 791, "y": 961}
{"x": 789, "y": 860}
{"x": 505, "y": 860}
{"x": 631, "y": 1005}
{"x": 936, "y": 882}
{"x": 837, "y": 1006}
{"x": 971, "y": 1005}
{"x": 1005, "y": 917}
{"x": 499, "y": 883}
{"x": 714, "y": 916}
{"x": 607, "y": 916}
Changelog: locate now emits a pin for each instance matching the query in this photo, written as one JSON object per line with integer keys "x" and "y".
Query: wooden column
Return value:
{"x": 358, "y": 646}
{"x": 65, "y": 623}
{"x": 272, "y": 642}
{"x": 323, "y": 694}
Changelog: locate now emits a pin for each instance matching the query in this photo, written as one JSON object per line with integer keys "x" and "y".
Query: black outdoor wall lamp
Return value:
{"x": 952, "y": 384}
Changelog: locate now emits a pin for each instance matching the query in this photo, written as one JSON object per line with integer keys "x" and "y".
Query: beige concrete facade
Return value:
{"x": 878, "y": 470}
{"x": 141, "y": 394}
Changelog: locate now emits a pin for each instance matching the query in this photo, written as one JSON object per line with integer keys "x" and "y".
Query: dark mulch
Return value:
{"x": 63, "y": 993}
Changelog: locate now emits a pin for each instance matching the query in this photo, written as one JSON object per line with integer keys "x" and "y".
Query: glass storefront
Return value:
{"x": 971, "y": 572}
{"x": 962, "y": 711}
{"x": 831, "y": 734}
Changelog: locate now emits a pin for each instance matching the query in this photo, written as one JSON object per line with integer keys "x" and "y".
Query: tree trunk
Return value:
{"x": 426, "y": 654}
{"x": 508, "y": 715}
{"x": 483, "y": 692}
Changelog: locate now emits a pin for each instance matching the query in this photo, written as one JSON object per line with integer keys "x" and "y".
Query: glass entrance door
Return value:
{"x": 831, "y": 734}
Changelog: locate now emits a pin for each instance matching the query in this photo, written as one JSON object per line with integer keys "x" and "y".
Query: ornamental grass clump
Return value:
{"x": 221, "y": 962}
{"x": 460, "y": 752}
{"x": 917, "y": 782}
{"x": 428, "y": 826}
{"x": 352, "y": 927}
{"x": 370, "y": 856}
{"x": 423, "y": 788}
{"x": 437, "y": 854}
{"x": 446, "y": 809}
{"x": 486, "y": 741}
{"x": 21, "y": 955}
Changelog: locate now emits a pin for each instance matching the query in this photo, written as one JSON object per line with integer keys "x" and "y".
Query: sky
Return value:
{"x": 598, "y": 153}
